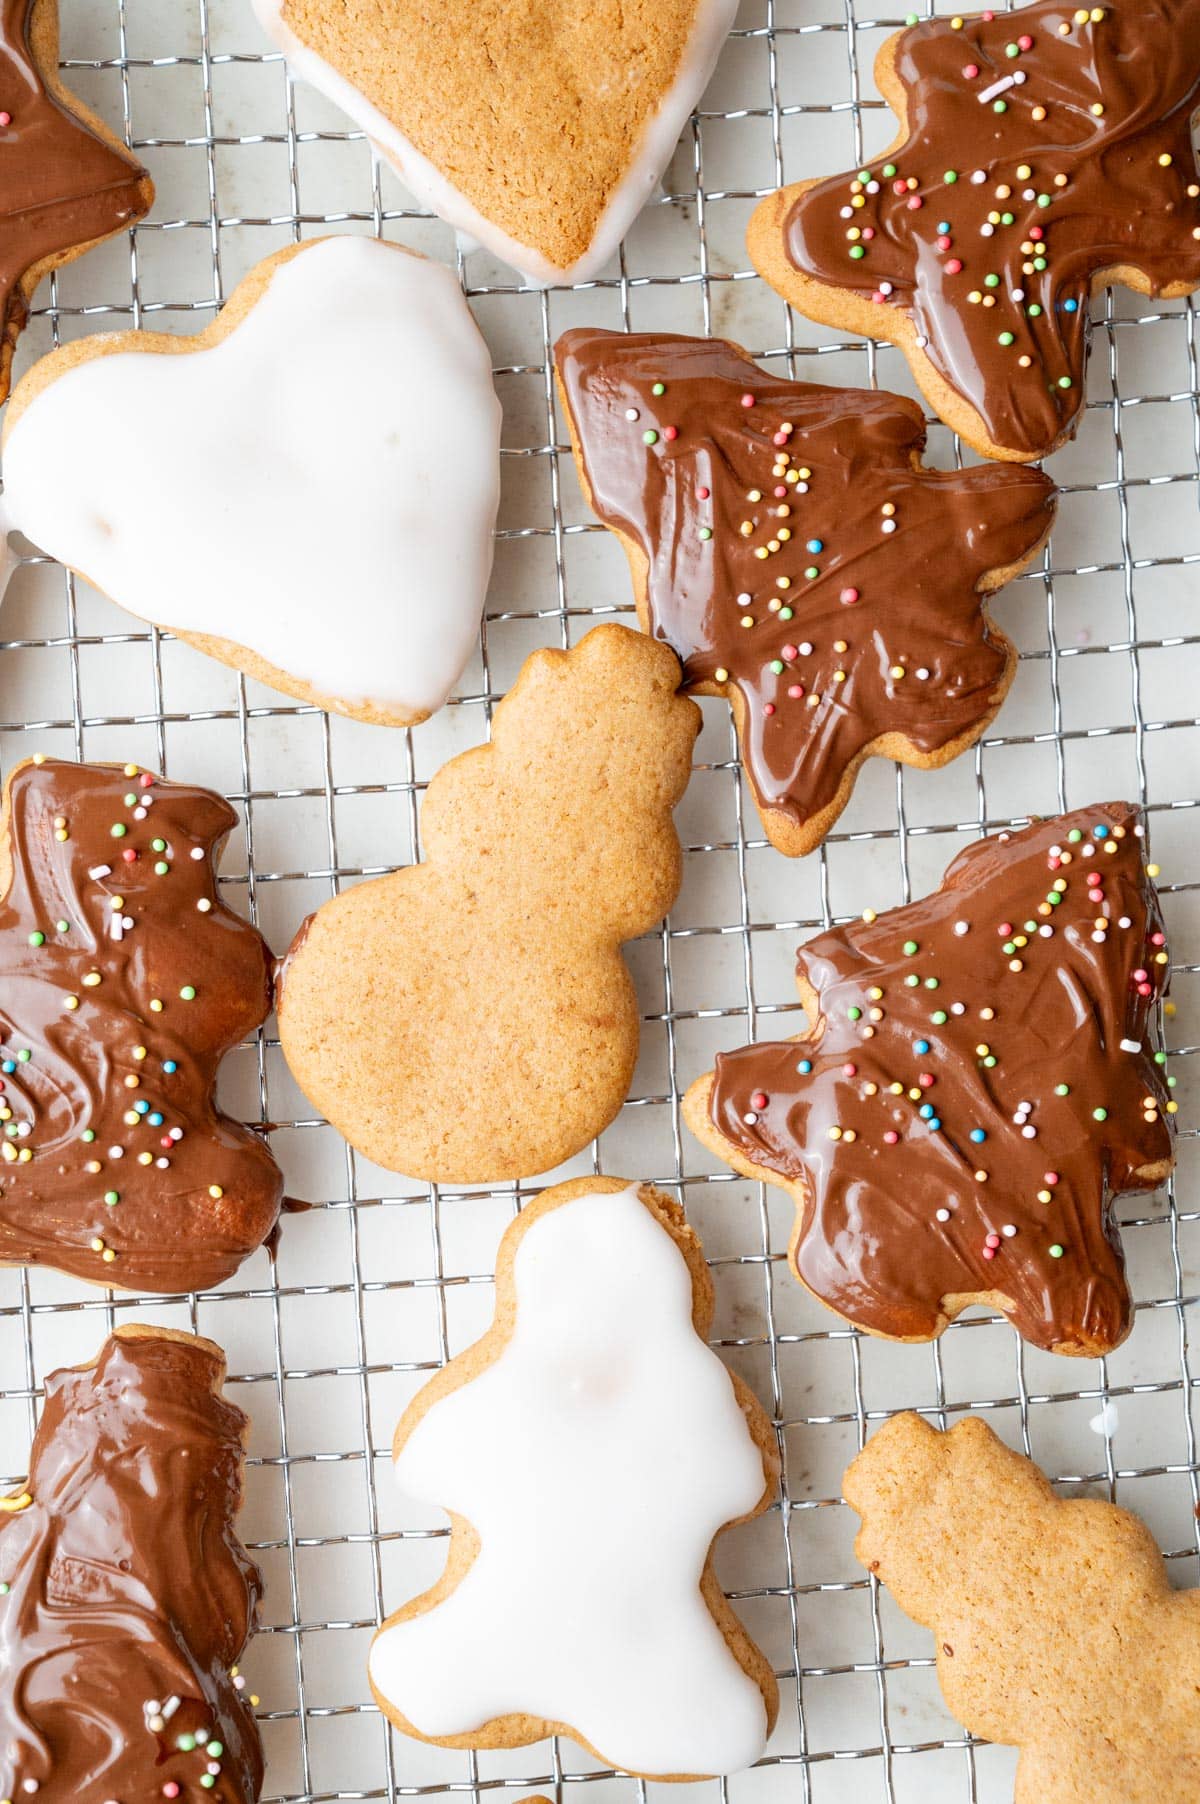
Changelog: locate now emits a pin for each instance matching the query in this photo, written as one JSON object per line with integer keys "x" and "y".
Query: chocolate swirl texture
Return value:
{"x": 788, "y": 546}
{"x": 127, "y": 1596}
{"x": 124, "y": 982}
{"x": 977, "y": 1088}
{"x": 1044, "y": 152}
{"x": 64, "y": 183}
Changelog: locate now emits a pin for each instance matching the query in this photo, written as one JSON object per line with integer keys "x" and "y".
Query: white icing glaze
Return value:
{"x": 596, "y": 1458}
{"x": 320, "y": 486}
{"x": 431, "y": 189}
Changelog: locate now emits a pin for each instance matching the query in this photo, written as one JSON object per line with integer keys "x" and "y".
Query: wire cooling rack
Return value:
{"x": 385, "y": 1279}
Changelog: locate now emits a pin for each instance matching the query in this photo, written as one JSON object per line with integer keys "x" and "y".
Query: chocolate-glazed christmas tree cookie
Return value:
{"x": 1042, "y": 154}
{"x": 65, "y": 181}
{"x": 787, "y": 544}
{"x": 124, "y": 980}
{"x": 125, "y": 1594}
{"x": 977, "y": 1088}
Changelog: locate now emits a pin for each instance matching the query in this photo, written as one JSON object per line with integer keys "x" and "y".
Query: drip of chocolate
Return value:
{"x": 127, "y": 1598}
{"x": 62, "y": 184}
{"x": 978, "y": 1088}
{"x": 124, "y": 980}
{"x": 1045, "y": 148}
{"x": 790, "y": 549}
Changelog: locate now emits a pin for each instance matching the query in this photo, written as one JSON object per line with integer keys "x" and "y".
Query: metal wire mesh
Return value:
{"x": 384, "y": 1280}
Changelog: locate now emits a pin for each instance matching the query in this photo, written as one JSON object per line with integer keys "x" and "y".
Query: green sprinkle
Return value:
{"x": 1056, "y": 1252}
{"x": 158, "y": 845}
{"x": 776, "y": 665}
{"x": 88, "y": 1134}
{"x": 3, "y": 1588}
{"x": 857, "y": 251}
{"x": 162, "y": 867}
{"x": 215, "y": 1749}
{"x": 854, "y": 1012}
{"x": 991, "y": 281}
{"x": 1075, "y": 835}
{"x": 950, "y": 177}
{"x": 650, "y": 437}
{"x": 1064, "y": 382}
{"x": 1160, "y": 1058}
{"x": 931, "y": 983}
{"x": 24, "y": 1056}
{"x": 1006, "y": 218}
{"x": 999, "y": 106}
{"x": 1012, "y": 50}
{"x": 910, "y": 946}
{"x": 1062, "y": 1089}
{"x": 37, "y": 939}
{"x": 118, "y": 830}
{"x": 112, "y": 1198}
{"x": 864, "y": 175}
{"x": 786, "y": 613}
{"x": 910, "y": 18}
{"x": 706, "y": 533}
{"x": 1044, "y": 200}
{"x": 912, "y": 980}
{"x": 1039, "y": 263}
{"x": 1099, "y": 1114}
{"x": 1034, "y": 310}
{"x": 660, "y": 388}
{"x": 62, "y": 926}
{"x": 812, "y": 572}
{"x": 185, "y": 1743}
{"x": 1005, "y": 338}
{"x": 939, "y": 1017}
{"x": 188, "y": 992}
{"x": 990, "y": 1061}
{"x": 130, "y": 799}
{"x": 889, "y": 169}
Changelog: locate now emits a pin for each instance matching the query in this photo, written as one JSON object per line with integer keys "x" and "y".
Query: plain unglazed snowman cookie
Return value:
{"x": 470, "y": 1018}
{"x": 537, "y": 129}
{"x": 1056, "y": 1626}
{"x": 589, "y": 1449}
{"x": 306, "y": 490}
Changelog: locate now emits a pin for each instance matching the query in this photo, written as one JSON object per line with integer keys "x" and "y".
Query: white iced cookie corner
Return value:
{"x": 596, "y": 1459}
{"x": 431, "y": 188}
{"x": 319, "y": 486}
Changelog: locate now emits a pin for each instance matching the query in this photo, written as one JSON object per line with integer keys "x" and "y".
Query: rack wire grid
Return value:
{"x": 385, "y": 1279}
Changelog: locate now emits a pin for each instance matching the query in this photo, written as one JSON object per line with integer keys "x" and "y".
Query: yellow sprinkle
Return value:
{"x": 1098, "y": 109}
{"x": 1160, "y": 958}
{"x": 888, "y": 509}
{"x": 24, "y": 1156}
{"x": 1081, "y": 17}
{"x": 131, "y": 770}
{"x": 875, "y": 993}
{"x": 61, "y": 835}
{"x": 131, "y": 1118}
{"x": 145, "y": 1158}
{"x": 1164, "y": 161}
{"x": 835, "y": 1133}
{"x": 91, "y": 980}
{"x": 1023, "y": 172}
{"x": 804, "y": 473}
{"x": 784, "y": 534}
{"x": 759, "y": 551}
{"x": 981, "y": 1177}
{"x": 720, "y": 674}
{"x": 70, "y": 1002}
{"x": 849, "y": 1135}
{"x": 108, "y": 1255}
{"x": 1043, "y": 1196}
{"x": 1152, "y": 870}
{"x": 896, "y": 1089}
{"x": 956, "y": 23}
{"x": 754, "y": 494}
{"x": 746, "y": 528}
{"x": 1097, "y": 14}
{"x": 839, "y": 676}
{"x": 215, "y": 1191}
{"x": 155, "y": 1006}
{"x": 747, "y": 619}
{"x": 897, "y": 671}
{"x": 97, "y": 1245}
{"x": 975, "y": 296}
{"x": 870, "y": 1089}
{"x": 983, "y": 1049}
{"x": 839, "y": 645}
{"x": 868, "y": 915}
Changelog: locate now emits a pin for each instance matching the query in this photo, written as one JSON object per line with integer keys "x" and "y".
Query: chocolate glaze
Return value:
{"x": 168, "y": 1232}
{"x": 61, "y": 184}
{"x": 127, "y": 1586}
{"x": 917, "y": 571}
{"x": 868, "y": 1241}
{"x": 1119, "y": 206}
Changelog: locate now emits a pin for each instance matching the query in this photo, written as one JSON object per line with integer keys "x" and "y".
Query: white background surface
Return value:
{"x": 378, "y": 1285}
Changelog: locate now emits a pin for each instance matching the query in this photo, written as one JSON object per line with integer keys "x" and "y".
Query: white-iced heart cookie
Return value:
{"x": 307, "y": 490}
{"x": 589, "y": 1449}
{"x": 536, "y": 127}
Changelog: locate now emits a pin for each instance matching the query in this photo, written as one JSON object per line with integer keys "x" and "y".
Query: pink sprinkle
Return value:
{"x": 145, "y": 779}
{"x": 1004, "y": 929}
{"x": 5, "y": 119}
{"x": 878, "y": 297}
{"x": 670, "y": 432}
{"x": 1025, "y": 41}
{"x": 914, "y": 202}
{"x": 868, "y": 234}
{"x": 926, "y": 1080}
{"x": 747, "y": 400}
{"x": 1050, "y": 1177}
{"x": 1145, "y": 989}
{"x": 953, "y": 266}
{"x": 759, "y": 1100}
{"x": 1139, "y": 977}
{"x": 1036, "y": 232}
{"x": 988, "y": 17}
{"x": 795, "y": 691}
{"x": 790, "y": 652}
{"x": 891, "y": 1137}
{"x": 900, "y": 187}
{"x": 993, "y": 1240}
{"x": 170, "y": 1789}
{"x": 780, "y": 491}
{"x": 943, "y": 241}
{"x": 1158, "y": 939}
{"x": 768, "y": 707}
{"x": 702, "y": 494}
{"x": 849, "y": 596}
{"x": 989, "y": 1252}
{"x": 849, "y": 1070}
{"x": 129, "y": 855}
{"x": 780, "y": 438}
{"x": 971, "y": 71}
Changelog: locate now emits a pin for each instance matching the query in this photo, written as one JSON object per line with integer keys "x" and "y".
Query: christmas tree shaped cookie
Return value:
{"x": 589, "y": 1449}
{"x": 124, "y": 980}
{"x": 1042, "y": 154}
{"x": 65, "y": 181}
{"x": 977, "y": 1088}
{"x": 127, "y": 1596}
{"x": 787, "y": 544}
{"x": 1057, "y": 1628}
{"x": 470, "y": 1018}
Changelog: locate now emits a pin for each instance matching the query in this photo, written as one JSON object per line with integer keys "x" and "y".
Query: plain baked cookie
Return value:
{"x": 978, "y": 1085}
{"x": 128, "y": 1598}
{"x": 1042, "y": 155}
{"x": 470, "y": 1018}
{"x": 305, "y": 490}
{"x": 65, "y": 181}
{"x": 124, "y": 981}
{"x": 537, "y": 129}
{"x": 1057, "y": 1628}
{"x": 589, "y": 1449}
{"x": 787, "y": 544}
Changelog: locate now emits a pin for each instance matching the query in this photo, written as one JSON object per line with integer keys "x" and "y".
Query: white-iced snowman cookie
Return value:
{"x": 588, "y": 1450}
{"x": 307, "y": 490}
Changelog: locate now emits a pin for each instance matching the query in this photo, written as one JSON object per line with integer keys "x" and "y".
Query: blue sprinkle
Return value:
{"x": 816, "y": 545}
{"x": 934, "y": 1125}
{"x": 943, "y": 225}
{"x": 805, "y": 1066}
{"x": 156, "y": 1119}
{"x": 1100, "y": 832}
{"x": 927, "y": 1111}
{"x": 170, "y": 1065}
{"x": 978, "y": 1135}
{"x": 921, "y": 1046}
{"x": 142, "y": 1107}
{"x": 1070, "y": 306}
{"x": 8, "y": 1065}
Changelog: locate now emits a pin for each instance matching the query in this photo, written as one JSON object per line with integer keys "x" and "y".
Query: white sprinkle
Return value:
{"x": 888, "y": 526}
{"x": 1131, "y": 1046}
{"x": 943, "y": 1215}
{"x": 872, "y": 187}
{"x": 204, "y": 905}
{"x": 127, "y": 923}
{"x": 116, "y": 1152}
{"x": 922, "y": 340}
{"x": 987, "y": 231}
{"x": 961, "y": 927}
{"x": 1029, "y": 194}
{"x": 744, "y": 599}
{"x": 162, "y": 1164}
{"x": 1046, "y": 931}
{"x": 1020, "y": 78}
{"x": 846, "y": 213}
{"x": 1106, "y": 1422}
{"x": 139, "y": 814}
{"x": 631, "y": 413}
{"x": 805, "y": 649}
{"x": 1008, "y": 1230}
{"x": 923, "y": 675}
{"x": 170, "y": 1707}
{"x": 885, "y": 288}
{"x": 750, "y": 1118}
{"x": 1029, "y": 1132}
{"x": 100, "y": 870}
{"x": 116, "y": 927}
{"x": 197, "y": 851}
{"x": 958, "y": 1008}
{"x": 998, "y": 87}
{"x": 1124, "y": 921}
{"x": 177, "y": 1133}
{"x": 978, "y": 175}
{"x": 1018, "y": 294}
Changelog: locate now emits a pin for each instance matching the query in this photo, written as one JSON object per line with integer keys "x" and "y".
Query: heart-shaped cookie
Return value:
{"x": 306, "y": 490}
{"x": 538, "y": 128}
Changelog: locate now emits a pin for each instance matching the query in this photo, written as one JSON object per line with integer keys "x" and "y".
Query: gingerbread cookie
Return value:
{"x": 65, "y": 181}
{"x": 977, "y": 1087}
{"x": 538, "y": 131}
{"x": 126, "y": 1598}
{"x": 589, "y": 1449}
{"x": 493, "y": 1026}
{"x": 1041, "y": 156}
{"x": 787, "y": 544}
{"x": 306, "y": 490}
{"x": 125, "y": 982}
{"x": 1057, "y": 1627}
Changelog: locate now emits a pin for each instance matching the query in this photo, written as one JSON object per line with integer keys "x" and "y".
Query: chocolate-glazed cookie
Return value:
{"x": 1043, "y": 154}
{"x": 126, "y": 1598}
{"x": 787, "y": 544}
{"x": 977, "y": 1087}
{"x": 65, "y": 181}
{"x": 124, "y": 980}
